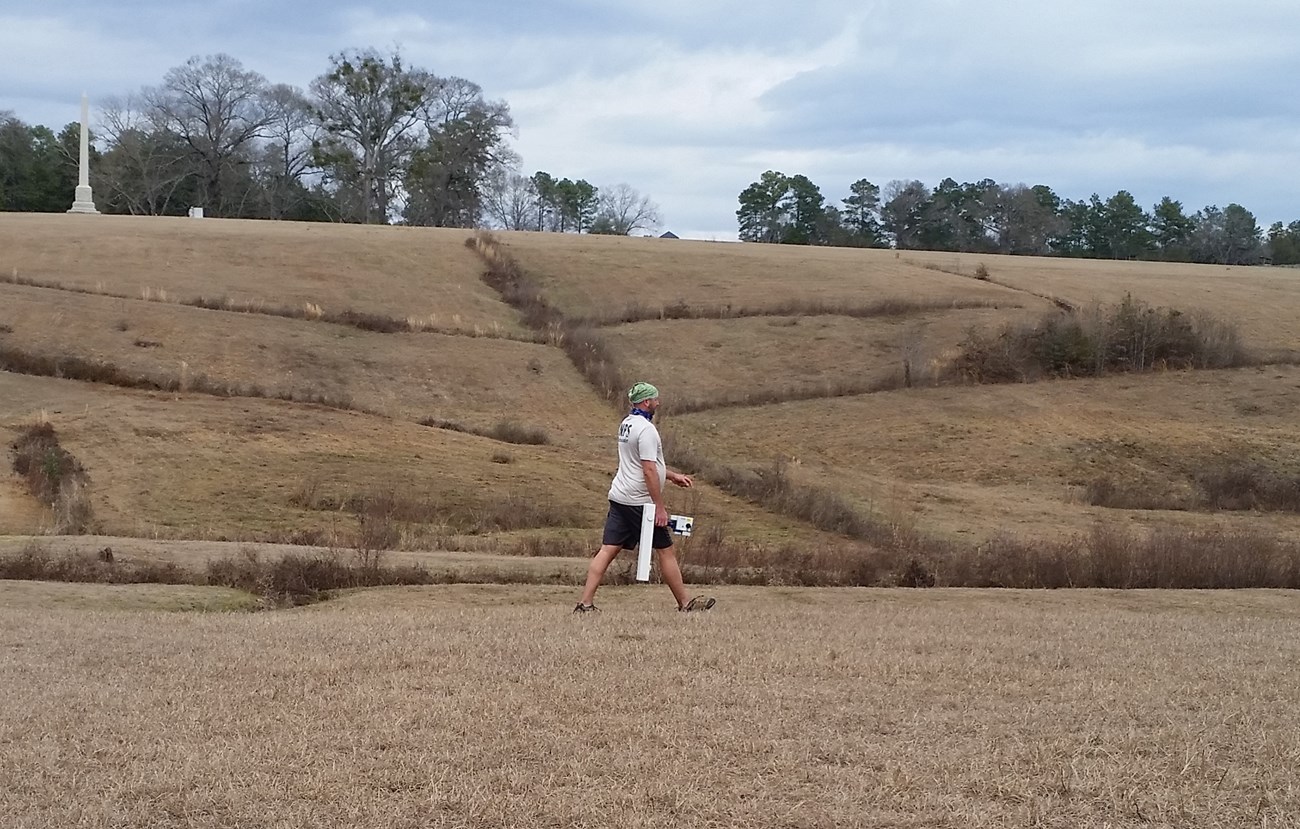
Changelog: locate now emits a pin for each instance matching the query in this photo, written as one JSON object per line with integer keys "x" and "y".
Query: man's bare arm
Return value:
{"x": 651, "y": 471}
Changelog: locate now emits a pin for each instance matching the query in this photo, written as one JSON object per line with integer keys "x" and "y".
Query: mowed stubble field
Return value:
{"x": 492, "y": 707}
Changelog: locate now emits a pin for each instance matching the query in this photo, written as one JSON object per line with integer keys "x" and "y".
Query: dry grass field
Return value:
{"x": 190, "y": 466}
{"x": 702, "y": 359}
{"x": 424, "y": 274}
{"x": 955, "y": 461}
{"x": 978, "y": 461}
{"x": 474, "y": 380}
{"x": 492, "y": 707}
{"x": 601, "y": 275}
{"x": 1263, "y": 302}
{"x": 190, "y": 705}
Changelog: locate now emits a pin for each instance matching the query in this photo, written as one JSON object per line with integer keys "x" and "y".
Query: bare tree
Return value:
{"x": 218, "y": 108}
{"x": 509, "y": 201}
{"x": 144, "y": 166}
{"x": 622, "y": 211}
{"x": 287, "y": 154}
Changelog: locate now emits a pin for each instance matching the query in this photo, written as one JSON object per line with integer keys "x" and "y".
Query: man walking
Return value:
{"x": 640, "y": 480}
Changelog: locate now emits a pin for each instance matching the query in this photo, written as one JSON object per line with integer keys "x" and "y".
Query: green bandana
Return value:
{"x": 641, "y": 392}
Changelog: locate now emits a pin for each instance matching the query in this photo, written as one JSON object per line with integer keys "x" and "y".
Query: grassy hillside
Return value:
{"x": 422, "y": 274}
{"x": 1263, "y": 302}
{"x": 328, "y": 368}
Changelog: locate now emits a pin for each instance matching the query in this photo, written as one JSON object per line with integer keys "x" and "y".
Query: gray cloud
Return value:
{"x": 690, "y": 101}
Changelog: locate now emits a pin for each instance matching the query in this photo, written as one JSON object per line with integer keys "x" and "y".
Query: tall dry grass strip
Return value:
{"x": 54, "y": 477}
{"x": 505, "y": 431}
{"x": 581, "y": 343}
{"x": 888, "y": 307}
{"x": 71, "y": 367}
{"x": 1228, "y": 484}
{"x": 284, "y": 580}
{"x": 789, "y": 393}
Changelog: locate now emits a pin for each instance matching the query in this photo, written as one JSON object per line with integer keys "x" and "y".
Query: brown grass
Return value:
{"x": 963, "y": 465}
{"x": 970, "y": 463}
{"x": 1263, "y": 303}
{"x": 702, "y": 363}
{"x": 422, "y": 273}
{"x": 365, "y": 321}
{"x": 478, "y": 559}
{"x": 410, "y": 376}
{"x": 195, "y": 467}
{"x": 388, "y": 511}
{"x": 170, "y": 598}
{"x": 72, "y": 367}
{"x": 455, "y": 706}
{"x": 280, "y": 580}
{"x": 804, "y": 391}
{"x": 597, "y": 277}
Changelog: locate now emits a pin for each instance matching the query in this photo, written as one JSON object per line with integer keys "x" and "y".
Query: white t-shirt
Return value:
{"x": 638, "y": 440}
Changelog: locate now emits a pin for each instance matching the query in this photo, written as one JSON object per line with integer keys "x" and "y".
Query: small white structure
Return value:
{"x": 196, "y": 212}
{"x": 83, "y": 202}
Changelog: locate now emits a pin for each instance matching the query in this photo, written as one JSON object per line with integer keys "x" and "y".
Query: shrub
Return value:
{"x": 504, "y": 431}
{"x": 54, "y": 477}
{"x": 1248, "y": 486}
{"x": 517, "y": 433}
{"x": 1231, "y": 483}
{"x": 1108, "y": 491}
{"x": 35, "y": 563}
{"x": 1131, "y": 336}
{"x": 296, "y": 579}
{"x": 1115, "y": 557}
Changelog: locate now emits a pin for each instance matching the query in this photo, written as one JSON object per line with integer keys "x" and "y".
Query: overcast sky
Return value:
{"x": 689, "y": 102}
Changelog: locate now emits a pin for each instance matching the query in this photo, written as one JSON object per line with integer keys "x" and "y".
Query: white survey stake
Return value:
{"x": 677, "y": 525}
{"x": 647, "y": 536}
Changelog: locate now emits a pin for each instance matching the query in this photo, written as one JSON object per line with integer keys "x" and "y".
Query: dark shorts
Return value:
{"x": 623, "y": 527}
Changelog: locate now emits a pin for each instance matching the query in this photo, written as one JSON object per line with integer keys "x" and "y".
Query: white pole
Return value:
{"x": 84, "y": 178}
{"x": 83, "y": 201}
{"x": 647, "y": 536}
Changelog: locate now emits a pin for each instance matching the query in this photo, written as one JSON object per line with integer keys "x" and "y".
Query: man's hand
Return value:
{"x": 661, "y": 516}
{"x": 684, "y": 481}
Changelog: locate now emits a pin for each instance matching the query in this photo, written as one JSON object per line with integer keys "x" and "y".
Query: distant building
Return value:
{"x": 668, "y": 234}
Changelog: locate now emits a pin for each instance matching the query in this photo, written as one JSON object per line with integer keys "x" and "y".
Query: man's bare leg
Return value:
{"x": 596, "y": 570}
{"x": 672, "y": 573}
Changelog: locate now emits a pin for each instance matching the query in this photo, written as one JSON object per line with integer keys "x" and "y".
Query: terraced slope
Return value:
{"x": 282, "y": 416}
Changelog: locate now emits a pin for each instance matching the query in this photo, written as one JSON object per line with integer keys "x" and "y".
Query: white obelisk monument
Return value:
{"x": 84, "y": 202}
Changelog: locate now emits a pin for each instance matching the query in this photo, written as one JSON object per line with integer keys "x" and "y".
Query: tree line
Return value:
{"x": 371, "y": 140}
{"x": 988, "y": 217}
